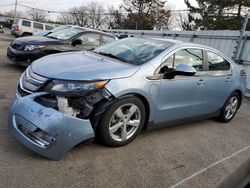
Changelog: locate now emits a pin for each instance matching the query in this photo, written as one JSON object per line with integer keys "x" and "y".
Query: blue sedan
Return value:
{"x": 115, "y": 91}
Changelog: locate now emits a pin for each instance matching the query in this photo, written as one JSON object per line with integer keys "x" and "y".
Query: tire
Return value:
{"x": 118, "y": 127}
{"x": 230, "y": 108}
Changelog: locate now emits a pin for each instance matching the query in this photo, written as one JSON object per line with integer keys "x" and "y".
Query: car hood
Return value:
{"x": 82, "y": 66}
{"x": 37, "y": 40}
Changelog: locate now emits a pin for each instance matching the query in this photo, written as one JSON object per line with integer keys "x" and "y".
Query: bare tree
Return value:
{"x": 96, "y": 15}
{"x": 11, "y": 14}
{"x": 182, "y": 21}
{"x": 92, "y": 15}
{"x": 162, "y": 17}
{"x": 75, "y": 16}
{"x": 37, "y": 15}
{"x": 116, "y": 17}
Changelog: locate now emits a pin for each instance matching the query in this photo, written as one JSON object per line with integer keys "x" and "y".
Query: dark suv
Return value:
{"x": 23, "y": 51}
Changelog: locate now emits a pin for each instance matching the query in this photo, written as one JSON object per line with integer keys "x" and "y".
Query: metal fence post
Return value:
{"x": 241, "y": 41}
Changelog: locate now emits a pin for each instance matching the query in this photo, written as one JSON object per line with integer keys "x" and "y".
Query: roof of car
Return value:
{"x": 168, "y": 40}
{"x": 89, "y": 29}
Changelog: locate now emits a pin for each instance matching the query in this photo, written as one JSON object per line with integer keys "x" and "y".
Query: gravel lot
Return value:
{"x": 159, "y": 158}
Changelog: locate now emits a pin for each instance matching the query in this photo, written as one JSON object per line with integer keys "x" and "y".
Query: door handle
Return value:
{"x": 201, "y": 82}
{"x": 228, "y": 80}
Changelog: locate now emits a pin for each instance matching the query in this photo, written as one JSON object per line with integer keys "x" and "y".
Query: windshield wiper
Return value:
{"x": 112, "y": 56}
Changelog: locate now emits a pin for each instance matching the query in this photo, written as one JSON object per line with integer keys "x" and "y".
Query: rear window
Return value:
{"x": 48, "y": 27}
{"x": 26, "y": 23}
{"x": 38, "y": 26}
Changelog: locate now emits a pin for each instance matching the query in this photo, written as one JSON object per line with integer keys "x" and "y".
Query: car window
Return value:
{"x": 61, "y": 28}
{"x": 48, "y": 27}
{"x": 107, "y": 39}
{"x": 38, "y": 26}
{"x": 26, "y": 23}
{"x": 191, "y": 57}
{"x": 65, "y": 34}
{"x": 169, "y": 62}
{"x": 216, "y": 62}
{"x": 90, "y": 39}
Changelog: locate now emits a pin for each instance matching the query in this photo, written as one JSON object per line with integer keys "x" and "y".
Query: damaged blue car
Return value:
{"x": 116, "y": 90}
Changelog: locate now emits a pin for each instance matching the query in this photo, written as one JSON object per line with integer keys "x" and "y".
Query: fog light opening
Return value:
{"x": 38, "y": 136}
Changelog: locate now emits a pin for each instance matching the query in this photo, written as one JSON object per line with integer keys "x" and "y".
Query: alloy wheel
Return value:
{"x": 231, "y": 107}
{"x": 124, "y": 122}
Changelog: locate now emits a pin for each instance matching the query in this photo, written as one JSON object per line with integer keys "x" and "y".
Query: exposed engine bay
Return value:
{"x": 83, "y": 107}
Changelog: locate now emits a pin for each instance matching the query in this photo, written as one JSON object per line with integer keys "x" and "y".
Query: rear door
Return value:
{"x": 219, "y": 80}
{"x": 184, "y": 96}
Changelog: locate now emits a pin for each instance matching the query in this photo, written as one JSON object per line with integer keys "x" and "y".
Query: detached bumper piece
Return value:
{"x": 45, "y": 130}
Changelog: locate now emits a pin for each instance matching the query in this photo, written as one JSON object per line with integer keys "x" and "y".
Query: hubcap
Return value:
{"x": 231, "y": 107}
{"x": 124, "y": 122}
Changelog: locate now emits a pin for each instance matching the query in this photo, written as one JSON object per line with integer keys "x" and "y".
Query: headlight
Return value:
{"x": 33, "y": 47}
{"x": 74, "y": 87}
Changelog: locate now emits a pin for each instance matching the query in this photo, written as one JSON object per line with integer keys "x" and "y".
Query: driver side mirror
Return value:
{"x": 181, "y": 69}
{"x": 76, "y": 42}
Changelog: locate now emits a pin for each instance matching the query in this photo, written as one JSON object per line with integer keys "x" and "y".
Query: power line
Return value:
{"x": 66, "y": 12}
{"x": 3, "y": 5}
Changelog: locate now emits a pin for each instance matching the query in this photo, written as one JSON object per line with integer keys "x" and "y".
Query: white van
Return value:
{"x": 25, "y": 27}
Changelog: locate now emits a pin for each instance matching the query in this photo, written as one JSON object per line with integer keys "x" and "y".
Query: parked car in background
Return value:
{"x": 116, "y": 90}
{"x": 46, "y": 32}
{"x": 6, "y": 22}
{"x": 122, "y": 36}
{"x": 23, "y": 51}
{"x": 24, "y": 27}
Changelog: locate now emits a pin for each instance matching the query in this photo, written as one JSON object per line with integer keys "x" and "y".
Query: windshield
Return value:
{"x": 61, "y": 28}
{"x": 65, "y": 34}
{"x": 133, "y": 50}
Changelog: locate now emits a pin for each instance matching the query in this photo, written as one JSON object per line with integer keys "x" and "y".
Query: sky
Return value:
{"x": 59, "y": 5}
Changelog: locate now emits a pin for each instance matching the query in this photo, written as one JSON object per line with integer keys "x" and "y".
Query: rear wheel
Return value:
{"x": 122, "y": 122}
{"x": 230, "y": 108}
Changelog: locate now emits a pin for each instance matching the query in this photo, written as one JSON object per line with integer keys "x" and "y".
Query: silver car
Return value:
{"x": 115, "y": 91}
{"x": 23, "y": 27}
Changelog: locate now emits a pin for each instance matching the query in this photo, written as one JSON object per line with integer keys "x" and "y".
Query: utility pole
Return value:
{"x": 15, "y": 14}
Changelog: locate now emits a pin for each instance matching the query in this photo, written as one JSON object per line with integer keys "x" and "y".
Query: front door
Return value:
{"x": 183, "y": 96}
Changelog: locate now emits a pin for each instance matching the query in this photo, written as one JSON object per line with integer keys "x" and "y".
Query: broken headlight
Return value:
{"x": 33, "y": 47}
{"x": 74, "y": 87}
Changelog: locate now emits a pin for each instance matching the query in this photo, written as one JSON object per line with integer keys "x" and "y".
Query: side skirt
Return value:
{"x": 151, "y": 125}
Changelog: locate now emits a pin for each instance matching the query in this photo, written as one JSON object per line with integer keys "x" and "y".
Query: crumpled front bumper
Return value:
{"x": 29, "y": 119}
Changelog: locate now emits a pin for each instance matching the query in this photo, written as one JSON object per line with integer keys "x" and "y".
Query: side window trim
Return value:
{"x": 156, "y": 72}
{"x": 101, "y": 39}
{"x": 217, "y": 73}
{"x": 173, "y": 53}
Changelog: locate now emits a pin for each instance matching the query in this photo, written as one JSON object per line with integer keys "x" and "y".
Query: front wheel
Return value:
{"x": 122, "y": 122}
{"x": 230, "y": 108}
